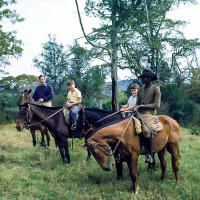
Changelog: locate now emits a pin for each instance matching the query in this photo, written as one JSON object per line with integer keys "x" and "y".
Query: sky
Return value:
{"x": 59, "y": 18}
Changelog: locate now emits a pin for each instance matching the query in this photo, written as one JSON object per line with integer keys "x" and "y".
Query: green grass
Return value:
{"x": 28, "y": 173}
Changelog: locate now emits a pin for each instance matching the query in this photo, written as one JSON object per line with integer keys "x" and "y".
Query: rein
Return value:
{"x": 91, "y": 125}
{"x": 113, "y": 152}
{"x": 122, "y": 134}
{"x": 29, "y": 111}
{"x": 107, "y": 117}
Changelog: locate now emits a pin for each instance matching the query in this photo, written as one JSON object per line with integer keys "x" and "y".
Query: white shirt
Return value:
{"x": 132, "y": 100}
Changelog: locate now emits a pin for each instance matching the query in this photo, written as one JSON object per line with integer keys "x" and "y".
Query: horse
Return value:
{"x": 128, "y": 143}
{"x": 91, "y": 118}
{"x": 24, "y": 119}
{"x": 54, "y": 120}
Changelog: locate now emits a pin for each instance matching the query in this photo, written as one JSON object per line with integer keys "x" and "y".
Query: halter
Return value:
{"x": 98, "y": 145}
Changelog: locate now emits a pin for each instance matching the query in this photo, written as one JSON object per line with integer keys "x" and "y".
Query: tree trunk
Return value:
{"x": 114, "y": 59}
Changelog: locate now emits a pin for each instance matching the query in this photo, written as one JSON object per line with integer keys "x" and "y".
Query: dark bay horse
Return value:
{"x": 128, "y": 143}
{"x": 24, "y": 119}
{"x": 53, "y": 119}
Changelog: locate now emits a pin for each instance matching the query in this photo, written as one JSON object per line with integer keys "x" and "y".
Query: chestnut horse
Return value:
{"x": 128, "y": 143}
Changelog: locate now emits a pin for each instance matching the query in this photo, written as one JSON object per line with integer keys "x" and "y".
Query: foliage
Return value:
{"x": 107, "y": 105}
{"x": 38, "y": 173}
{"x": 179, "y": 106}
{"x": 89, "y": 79}
{"x": 195, "y": 130}
{"x": 192, "y": 89}
{"x": 52, "y": 62}
{"x": 10, "y": 46}
{"x": 146, "y": 37}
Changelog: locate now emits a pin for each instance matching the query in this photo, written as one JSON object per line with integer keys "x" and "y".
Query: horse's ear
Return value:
{"x": 29, "y": 91}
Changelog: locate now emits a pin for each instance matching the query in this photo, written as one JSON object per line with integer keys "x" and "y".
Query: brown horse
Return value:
{"x": 128, "y": 143}
{"x": 24, "y": 119}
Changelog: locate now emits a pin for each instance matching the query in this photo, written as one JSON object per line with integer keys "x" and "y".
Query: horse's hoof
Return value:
{"x": 120, "y": 178}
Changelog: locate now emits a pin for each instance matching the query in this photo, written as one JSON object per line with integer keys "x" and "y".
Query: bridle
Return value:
{"x": 98, "y": 145}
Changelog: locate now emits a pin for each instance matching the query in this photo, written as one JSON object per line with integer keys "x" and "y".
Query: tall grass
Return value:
{"x": 28, "y": 173}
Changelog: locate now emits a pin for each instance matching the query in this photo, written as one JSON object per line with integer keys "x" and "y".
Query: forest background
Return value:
{"x": 131, "y": 35}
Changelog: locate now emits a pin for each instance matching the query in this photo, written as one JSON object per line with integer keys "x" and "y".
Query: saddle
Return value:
{"x": 67, "y": 119}
{"x": 154, "y": 123}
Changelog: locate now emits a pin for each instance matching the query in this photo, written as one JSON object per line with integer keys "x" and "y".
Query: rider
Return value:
{"x": 74, "y": 99}
{"x": 44, "y": 92}
{"x": 132, "y": 99}
{"x": 148, "y": 100}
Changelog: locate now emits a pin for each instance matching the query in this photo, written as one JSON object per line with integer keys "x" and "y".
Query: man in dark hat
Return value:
{"x": 148, "y": 100}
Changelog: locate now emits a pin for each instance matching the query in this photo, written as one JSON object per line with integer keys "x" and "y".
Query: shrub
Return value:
{"x": 195, "y": 130}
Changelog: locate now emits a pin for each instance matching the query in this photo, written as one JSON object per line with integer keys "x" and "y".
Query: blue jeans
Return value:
{"x": 74, "y": 113}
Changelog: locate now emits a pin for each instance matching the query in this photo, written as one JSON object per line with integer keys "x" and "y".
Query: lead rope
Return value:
{"x": 45, "y": 118}
{"x": 107, "y": 116}
{"x": 122, "y": 134}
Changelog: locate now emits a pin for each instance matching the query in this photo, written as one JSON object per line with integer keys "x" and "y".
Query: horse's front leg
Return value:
{"x": 132, "y": 163}
{"x": 47, "y": 137}
{"x": 119, "y": 166}
{"x": 67, "y": 155}
{"x": 88, "y": 155}
{"x": 33, "y": 136}
{"x": 62, "y": 148}
{"x": 42, "y": 143}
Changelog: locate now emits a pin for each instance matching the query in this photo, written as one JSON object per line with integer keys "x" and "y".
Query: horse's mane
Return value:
{"x": 47, "y": 107}
{"x": 99, "y": 110}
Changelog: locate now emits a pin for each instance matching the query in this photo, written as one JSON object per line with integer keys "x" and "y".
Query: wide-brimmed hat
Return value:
{"x": 147, "y": 73}
{"x": 134, "y": 86}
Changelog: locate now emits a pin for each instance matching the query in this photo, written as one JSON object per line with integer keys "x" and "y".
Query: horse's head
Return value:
{"x": 84, "y": 122}
{"x": 101, "y": 152}
{"x": 23, "y": 118}
{"x": 25, "y": 97}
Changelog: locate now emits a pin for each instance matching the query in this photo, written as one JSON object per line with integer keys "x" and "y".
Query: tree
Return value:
{"x": 10, "y": 46}
{"x": 153, "y": 40}
{"x": 52, "y": 62}
{"x": 113, "y": 14}
{"x": 89, "y": 78}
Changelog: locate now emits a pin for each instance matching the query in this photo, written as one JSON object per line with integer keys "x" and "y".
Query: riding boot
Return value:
{"x": 148, "y": 144}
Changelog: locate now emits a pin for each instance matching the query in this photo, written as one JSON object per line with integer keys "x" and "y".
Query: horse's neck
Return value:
{"x": 116, "y": 132}
{"x": 32, "y": 100}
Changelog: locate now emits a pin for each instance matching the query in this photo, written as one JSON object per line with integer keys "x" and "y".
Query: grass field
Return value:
{"x": 28, "y": 173}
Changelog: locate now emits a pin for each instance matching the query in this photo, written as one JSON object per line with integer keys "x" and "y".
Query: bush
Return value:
{"x": 179, "y": 106}
{"x": 195, "y": 130}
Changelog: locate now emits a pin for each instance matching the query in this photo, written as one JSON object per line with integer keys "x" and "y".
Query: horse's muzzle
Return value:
{"x": 18, "y": 129}
{"x": 106, "y": 169}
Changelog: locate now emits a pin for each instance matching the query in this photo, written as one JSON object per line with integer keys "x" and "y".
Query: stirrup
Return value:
{"x": 73, "y": 127}
{"x": 149, "y": 159}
